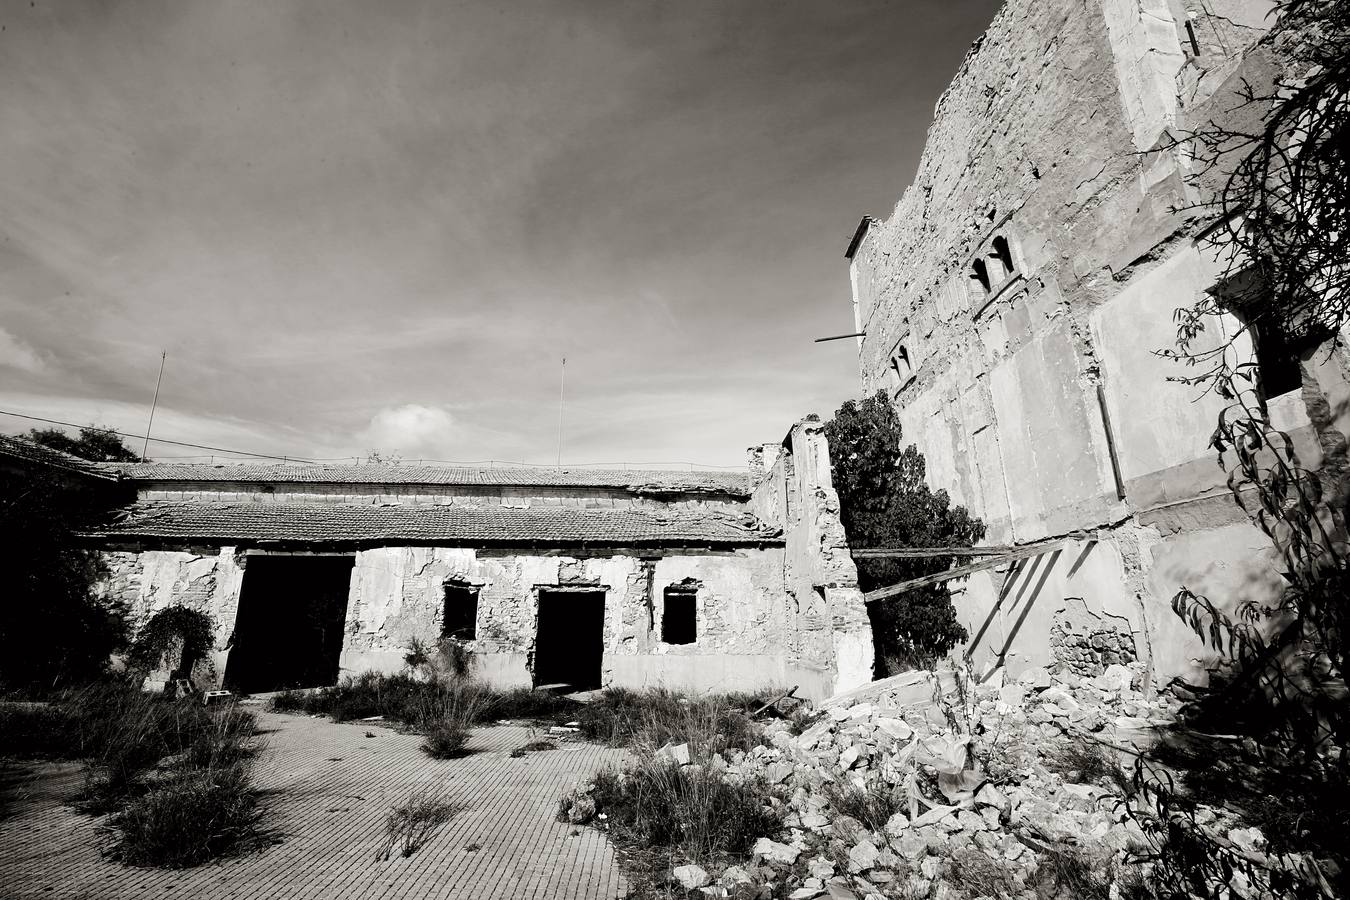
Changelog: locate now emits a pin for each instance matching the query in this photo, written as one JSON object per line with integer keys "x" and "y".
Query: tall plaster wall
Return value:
{"x": 1053, "y": 136}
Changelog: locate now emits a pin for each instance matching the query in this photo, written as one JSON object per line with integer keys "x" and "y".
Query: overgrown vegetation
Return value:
{"x": 174, "y": 774}
{"x": 1275, "y": 175}
{"x": 55, "y": 629}
{"x": 885, "y": 503}
{"x": 653, "y": 718}
{"x": 186, "y": 635}
{"x": 406, "y": 699}
{"x": 658, "y": 811}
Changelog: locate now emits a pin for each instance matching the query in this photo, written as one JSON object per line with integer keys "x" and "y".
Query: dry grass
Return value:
{"x": 690, "y": 809}
{"x": 653, "y": 718}
{"x": 873, "y": 806}
{"x": 175, "y": 774}
{"x": 410, "y": 824}
{"x": 971, "y": 871}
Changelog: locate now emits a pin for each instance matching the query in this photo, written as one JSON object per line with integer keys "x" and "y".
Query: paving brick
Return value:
{"x": 328, "y": 788}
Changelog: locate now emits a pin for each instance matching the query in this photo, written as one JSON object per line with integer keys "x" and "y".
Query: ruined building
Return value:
{"x": 702, "y": 581}
{"x": 1012, "y": 305}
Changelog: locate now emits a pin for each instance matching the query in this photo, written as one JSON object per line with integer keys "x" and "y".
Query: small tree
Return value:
{"x": 885, "y": 502}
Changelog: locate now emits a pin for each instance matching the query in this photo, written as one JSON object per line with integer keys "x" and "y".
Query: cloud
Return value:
{"x": 412, "y": 430}
{"x": 15, "y": 354}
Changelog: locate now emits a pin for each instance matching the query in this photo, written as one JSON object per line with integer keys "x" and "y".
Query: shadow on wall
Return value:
{"x": 1022, "y": 587}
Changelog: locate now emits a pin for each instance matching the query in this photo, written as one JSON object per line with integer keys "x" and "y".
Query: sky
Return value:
{"x": 357, "y": 226}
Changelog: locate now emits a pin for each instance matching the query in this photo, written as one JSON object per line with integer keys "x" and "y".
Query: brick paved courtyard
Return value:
{"x": 328, "y": 790}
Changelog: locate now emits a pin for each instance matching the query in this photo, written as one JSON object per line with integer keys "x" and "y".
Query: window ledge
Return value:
{"x": 998, "y": 292}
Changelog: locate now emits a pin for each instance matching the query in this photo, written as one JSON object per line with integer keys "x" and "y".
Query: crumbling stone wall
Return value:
{"x": 152, "y": 580}
{"x": 821, "y": 580}
{"x": 1014, "y": 299}
{"x": 1086, "y": 645}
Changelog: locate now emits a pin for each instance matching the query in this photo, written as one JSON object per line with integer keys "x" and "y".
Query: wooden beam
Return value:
{"x": 905, "y": 587}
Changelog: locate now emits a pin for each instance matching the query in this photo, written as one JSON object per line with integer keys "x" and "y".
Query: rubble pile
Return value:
{"x": 968, "y": 767}
{"x": 928, "y": 786}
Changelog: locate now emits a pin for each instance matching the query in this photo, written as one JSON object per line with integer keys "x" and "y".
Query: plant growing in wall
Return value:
{"x": 175, "y": 631}
{"x": 885, "y": 502}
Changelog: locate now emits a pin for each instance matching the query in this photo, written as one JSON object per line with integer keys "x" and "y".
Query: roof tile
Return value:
{"x": 439, "y": 525}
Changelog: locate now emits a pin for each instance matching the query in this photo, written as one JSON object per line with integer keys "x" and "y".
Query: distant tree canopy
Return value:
{"x": 94, "y": 443}
{"x": 885, "y": 502}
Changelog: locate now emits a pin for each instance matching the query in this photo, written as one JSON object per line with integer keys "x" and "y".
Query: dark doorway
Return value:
{"x": 571, "y": 640}
{"x": 288, "y": 632}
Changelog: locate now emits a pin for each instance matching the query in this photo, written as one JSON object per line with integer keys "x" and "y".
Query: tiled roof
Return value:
{"x": 30, "y": 452}
{"x": 640, "y": 481}
{"x": 439, "y": 525}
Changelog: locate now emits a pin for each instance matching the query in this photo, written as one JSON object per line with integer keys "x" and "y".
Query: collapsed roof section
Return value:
{"x": 22, "y": 454}
{"x": 364, "y": 525}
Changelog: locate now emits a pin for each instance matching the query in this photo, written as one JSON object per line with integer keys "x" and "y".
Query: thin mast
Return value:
{"x": 163, "y": 354}
{"x": 562, "y": 387}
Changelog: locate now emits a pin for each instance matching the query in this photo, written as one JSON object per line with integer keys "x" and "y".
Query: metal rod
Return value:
{"x": 562, "y": 386}
{"x": 145, "y": 448}
{"x": 840, "y": 337}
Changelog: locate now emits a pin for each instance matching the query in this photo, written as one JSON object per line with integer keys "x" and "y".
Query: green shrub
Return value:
{"x": 37, "y": 730}
{"x": 404, "y": 699}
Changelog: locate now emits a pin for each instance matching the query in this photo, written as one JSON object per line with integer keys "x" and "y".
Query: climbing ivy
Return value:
{"x": 157, "y": 636}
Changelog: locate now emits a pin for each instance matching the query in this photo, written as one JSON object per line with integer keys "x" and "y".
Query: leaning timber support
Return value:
{"x": 1008, "y": 554}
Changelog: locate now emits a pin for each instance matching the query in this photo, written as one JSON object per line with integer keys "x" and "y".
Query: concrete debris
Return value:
{"x": 967, "y": 772}
{"x": 691, "y": 877}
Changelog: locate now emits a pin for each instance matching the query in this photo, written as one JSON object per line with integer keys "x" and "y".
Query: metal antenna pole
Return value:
{"x": 562, "y": 387}
{"x": 163, "y": 354}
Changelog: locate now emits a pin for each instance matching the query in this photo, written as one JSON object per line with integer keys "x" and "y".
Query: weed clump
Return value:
{"x": 654, "y": 718}
{"x": 175, "y": 774}
{"x": 196, "y": 815}
{"x": 411, "y": 823}
{"x": 660, "y": 805}
{"x": 872, "y": 806}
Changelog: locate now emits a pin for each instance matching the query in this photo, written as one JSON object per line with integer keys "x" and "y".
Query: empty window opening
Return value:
{"x": 460, "y": 616}
{"x": 1277, "y": 361}
{"x": 901, "y": 371}
{"x": 1002, "y": 253}
{"x": 1277, "y": 352}
{"x": 979, "y": 274}
{"x": 288, "y": 632}
{"x": 679, "y": 615}
{"x": 569, "y": 645}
